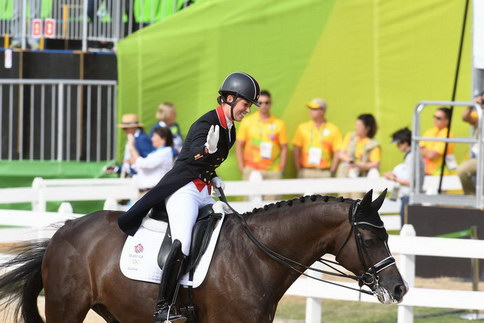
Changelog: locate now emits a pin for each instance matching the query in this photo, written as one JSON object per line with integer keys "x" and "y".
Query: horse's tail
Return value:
{"x": 22, "y": 282}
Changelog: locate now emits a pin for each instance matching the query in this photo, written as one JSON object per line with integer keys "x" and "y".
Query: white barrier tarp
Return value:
{"x": 478, "y": 33}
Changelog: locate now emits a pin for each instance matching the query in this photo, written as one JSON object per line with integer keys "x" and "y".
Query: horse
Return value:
{"x": 258, "y": 256}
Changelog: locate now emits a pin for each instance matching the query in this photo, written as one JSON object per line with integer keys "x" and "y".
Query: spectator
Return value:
{"x": 152, "y": 168}
{"x": 33, "y": 12}
{"x": 316, "y": 143}
{"x": 166, "y": 115}
{"x": 433, "y": 151}
{"x": 467, "y": 169}
{"x": 360, "y": 152}
{"x": 262, "y": 143}
{"x": 131, "y": 126}
{"x": 402, "y": 173}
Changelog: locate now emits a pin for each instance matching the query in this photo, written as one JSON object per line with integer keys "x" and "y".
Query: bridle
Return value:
{"x": 370, "y": 275}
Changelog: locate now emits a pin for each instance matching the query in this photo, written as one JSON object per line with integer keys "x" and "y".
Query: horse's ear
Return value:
{"x": 366, "y": 201}
{"x": 376, "y": 204}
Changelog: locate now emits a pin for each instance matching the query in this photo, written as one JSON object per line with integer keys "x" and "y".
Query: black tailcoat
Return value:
{"x": 192, "y": 163}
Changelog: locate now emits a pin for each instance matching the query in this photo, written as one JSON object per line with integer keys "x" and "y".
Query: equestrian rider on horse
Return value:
{"x": 186, "y": 187}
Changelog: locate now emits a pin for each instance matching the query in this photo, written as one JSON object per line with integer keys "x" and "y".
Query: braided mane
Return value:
{"x": 300, "y": 200}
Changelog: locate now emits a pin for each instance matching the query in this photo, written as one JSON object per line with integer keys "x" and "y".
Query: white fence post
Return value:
{"x": 255, "y": 177}
{"x": 313, "y": 304}
{"x": 110, "y": 204}
{"x": 65, "y": 208}
{"x": 407, "y": 270}
{"x": 38, "y": 201}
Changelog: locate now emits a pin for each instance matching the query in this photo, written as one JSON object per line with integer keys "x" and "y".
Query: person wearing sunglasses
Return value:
{"x": 433, "y": 151}
{"x": 262, "y": 143}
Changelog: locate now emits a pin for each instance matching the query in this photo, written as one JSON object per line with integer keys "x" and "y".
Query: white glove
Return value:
{"x": 216, "y": 183}
{"x": 212, "y": 139}
{"x": 221, "y": 207}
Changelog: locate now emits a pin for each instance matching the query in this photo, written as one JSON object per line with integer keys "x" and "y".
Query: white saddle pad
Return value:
{"x": 140, "y": 252}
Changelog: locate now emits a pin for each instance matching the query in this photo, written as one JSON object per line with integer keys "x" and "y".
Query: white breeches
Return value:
{"x": 182, "y": 208}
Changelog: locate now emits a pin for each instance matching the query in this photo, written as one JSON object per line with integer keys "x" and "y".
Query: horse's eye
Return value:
{"x": 370, "y": 243}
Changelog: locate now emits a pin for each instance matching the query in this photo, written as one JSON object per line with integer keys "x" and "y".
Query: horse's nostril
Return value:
{"x": 399, "y": 291}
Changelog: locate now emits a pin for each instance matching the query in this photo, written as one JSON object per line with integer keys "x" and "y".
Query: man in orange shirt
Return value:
{"x": 315, "y": 143}
{"x": 262, "y": 143}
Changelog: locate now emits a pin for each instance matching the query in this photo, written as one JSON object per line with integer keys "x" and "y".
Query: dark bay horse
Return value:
{"x": 78, "y": 268}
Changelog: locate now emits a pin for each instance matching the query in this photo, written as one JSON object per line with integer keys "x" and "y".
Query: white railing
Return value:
{"x": 35, "y": 222}
{"x": 407, "y": 246}
{"x": 32, "y": 225}
{"x": 112, "y": 189}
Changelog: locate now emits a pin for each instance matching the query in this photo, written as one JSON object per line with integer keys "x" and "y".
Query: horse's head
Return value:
{"x": 364, "y": 251}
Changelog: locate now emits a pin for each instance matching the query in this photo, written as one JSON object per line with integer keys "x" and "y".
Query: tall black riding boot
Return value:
{"x": 172, "y": 271}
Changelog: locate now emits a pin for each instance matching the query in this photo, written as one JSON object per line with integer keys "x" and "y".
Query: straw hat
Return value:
{"x": 130, "y": 120}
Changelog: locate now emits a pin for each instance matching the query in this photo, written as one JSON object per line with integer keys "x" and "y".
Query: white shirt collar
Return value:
{"x": 229, "y": 122}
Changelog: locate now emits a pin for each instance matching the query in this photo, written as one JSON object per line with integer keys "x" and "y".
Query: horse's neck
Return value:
{"x": 302, "y": 232}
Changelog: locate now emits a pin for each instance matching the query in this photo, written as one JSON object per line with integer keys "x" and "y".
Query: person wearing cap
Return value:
{"x": 186, "y": 187}
{"x": 316, "y": 143}
{"x": 262, "y": 143}
{"x": 132, "y": 127}
{"x": 401, "y": 174}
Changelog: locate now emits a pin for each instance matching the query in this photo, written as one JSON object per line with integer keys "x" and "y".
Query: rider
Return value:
{"x": 186, "y": 187}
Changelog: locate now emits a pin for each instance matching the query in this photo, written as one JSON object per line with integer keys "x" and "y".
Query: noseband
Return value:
{"x": 370, "y": 276}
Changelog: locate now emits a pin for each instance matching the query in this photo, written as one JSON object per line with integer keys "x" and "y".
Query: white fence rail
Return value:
{"x": 112, "y": 189}
{"x": 35, "y": 223}
{"x": 407, "y": 246}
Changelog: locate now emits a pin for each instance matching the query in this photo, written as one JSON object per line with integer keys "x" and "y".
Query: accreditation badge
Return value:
{"x": 266, "y": 150}
{"x": 314, "y": 155}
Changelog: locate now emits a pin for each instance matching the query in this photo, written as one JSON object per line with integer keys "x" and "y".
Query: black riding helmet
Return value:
{"x": 240, "y": 85}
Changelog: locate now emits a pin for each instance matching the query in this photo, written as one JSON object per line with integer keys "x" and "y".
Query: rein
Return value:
{"x": 370, "y": 272}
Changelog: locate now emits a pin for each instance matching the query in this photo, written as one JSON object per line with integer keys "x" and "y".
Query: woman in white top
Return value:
{"x": 152, "y": 168}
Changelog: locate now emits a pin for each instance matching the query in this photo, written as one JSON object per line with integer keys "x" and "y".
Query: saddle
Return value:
{"x": 201, "y": 234}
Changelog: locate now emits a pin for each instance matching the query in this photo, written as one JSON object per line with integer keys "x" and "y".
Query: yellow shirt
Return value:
{"x": 263, "y": 140}
{"x": 318, "y": 145}
{"x": 374, "y": 155}
{"x": 432, "y": 167}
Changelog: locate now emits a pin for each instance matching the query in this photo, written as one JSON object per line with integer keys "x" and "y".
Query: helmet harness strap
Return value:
{"x": 231, "y": 104}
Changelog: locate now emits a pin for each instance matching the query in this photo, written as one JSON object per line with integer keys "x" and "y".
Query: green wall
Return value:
{"x": 362, "y": 56}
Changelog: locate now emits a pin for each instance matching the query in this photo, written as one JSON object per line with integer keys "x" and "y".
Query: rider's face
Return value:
{"x": 241, "y": 108}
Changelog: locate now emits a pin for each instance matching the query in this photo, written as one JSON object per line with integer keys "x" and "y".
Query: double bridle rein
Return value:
{"x": 370, "y": 276}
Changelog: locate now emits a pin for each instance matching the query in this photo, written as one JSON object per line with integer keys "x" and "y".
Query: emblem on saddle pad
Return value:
{"x": 139, "y": 248}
